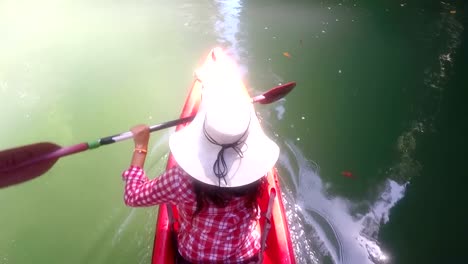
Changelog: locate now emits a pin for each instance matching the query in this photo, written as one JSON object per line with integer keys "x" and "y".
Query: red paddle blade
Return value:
{"x": 274, "y": 94}
{"x": 25, "y": 163}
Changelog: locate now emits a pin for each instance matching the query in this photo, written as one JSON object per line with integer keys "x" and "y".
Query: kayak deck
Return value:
{"x": 279, "y": 247}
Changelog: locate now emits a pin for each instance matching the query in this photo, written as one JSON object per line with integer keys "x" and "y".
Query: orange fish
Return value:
{"x": 347, "y": 174}
{"x": 286, "y": 54}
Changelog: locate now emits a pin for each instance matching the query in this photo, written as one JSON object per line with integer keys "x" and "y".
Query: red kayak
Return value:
{"x": 278, "y": 246}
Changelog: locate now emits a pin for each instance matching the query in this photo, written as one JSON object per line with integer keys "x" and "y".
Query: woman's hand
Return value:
{"x": 140, "y": 136}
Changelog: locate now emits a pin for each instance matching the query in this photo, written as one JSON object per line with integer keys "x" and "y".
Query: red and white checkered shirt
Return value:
{"x": 215, "y": 235}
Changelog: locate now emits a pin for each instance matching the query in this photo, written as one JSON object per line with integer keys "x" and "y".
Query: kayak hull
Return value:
{"x": 279, "y": 247}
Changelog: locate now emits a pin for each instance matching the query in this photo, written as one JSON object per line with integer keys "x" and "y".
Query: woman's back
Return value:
{"x": 223, "y": 234}
{"x": 213, "y": 234}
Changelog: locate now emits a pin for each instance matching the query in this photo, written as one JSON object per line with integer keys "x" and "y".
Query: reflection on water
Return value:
{"x": 227, "y": 25}
{"x": 448, "y": 32}
{"x": 227, "y": 28}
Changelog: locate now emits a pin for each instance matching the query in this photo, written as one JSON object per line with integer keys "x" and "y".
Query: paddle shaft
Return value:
{"x": 65, "y": 151}
{"x": 128, "y": 134}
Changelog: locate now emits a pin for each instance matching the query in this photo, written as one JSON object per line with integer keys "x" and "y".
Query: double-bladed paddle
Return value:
{"x": 28, "y": 162}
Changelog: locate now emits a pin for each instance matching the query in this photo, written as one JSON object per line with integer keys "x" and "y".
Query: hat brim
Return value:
{"x": 196, "y": 155}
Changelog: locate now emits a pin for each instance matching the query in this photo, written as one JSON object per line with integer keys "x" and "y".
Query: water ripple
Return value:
{"x": 334, "y": 232}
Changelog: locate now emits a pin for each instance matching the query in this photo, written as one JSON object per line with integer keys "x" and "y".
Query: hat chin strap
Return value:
{"x": 220, "y": 168}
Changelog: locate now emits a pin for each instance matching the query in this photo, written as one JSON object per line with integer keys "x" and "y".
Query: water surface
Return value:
{"x": 378, "y": 96}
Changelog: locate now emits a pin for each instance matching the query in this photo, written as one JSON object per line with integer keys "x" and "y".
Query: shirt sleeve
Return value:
{"x": 141, "y": 191}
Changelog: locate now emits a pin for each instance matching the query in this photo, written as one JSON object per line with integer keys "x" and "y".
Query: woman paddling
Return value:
{"x": 222, "y": 157}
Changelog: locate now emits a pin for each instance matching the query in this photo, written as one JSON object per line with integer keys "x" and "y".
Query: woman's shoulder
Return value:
{"x": 183, "y": 176}
{"x": 183, "y": 180}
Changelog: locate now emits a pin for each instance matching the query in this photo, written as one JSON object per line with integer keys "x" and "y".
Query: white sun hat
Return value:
{"x": 224, "y": 145}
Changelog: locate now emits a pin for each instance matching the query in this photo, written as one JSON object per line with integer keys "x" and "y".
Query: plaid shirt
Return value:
{"x": 215, "y": 235}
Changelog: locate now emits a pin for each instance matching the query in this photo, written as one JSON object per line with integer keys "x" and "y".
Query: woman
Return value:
{"x": 222, "y": 158}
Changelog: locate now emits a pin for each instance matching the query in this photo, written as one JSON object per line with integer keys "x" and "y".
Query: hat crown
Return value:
{"x": 227, "y": 116}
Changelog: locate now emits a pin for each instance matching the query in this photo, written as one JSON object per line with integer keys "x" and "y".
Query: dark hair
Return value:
{"x": 221, "y": 196}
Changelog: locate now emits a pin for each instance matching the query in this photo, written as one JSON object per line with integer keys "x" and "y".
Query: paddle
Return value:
{"x": 28, "y": 162}
{"x": 274, "y": 94}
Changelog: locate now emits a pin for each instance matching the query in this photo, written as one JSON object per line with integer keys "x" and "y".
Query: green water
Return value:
{"x": 379, "y": 95}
